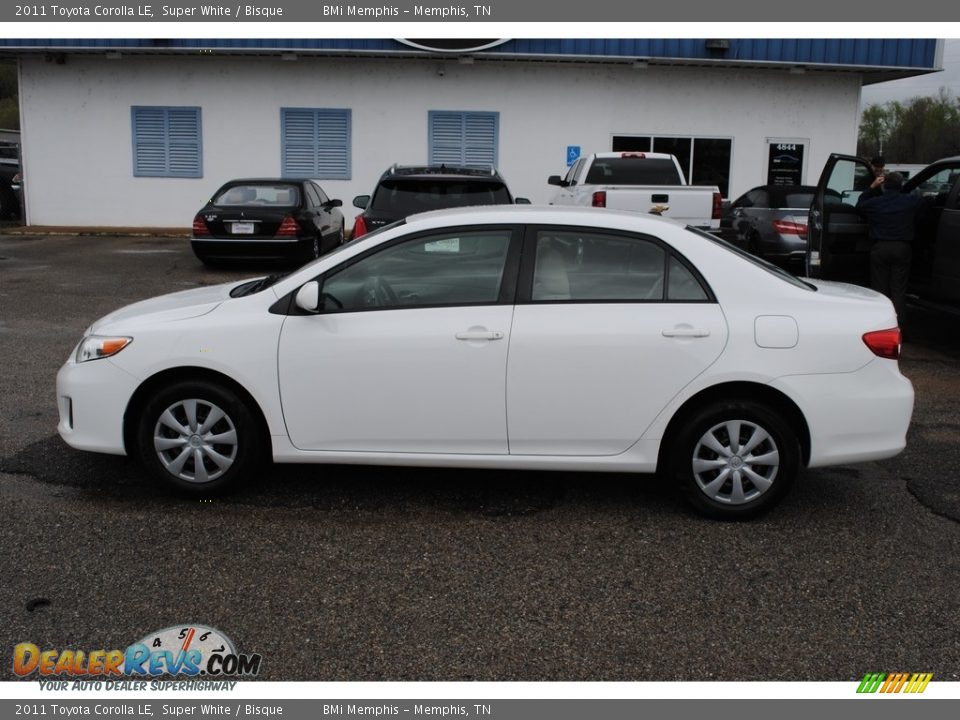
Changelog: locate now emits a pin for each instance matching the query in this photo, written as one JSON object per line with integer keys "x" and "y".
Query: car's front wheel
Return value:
{"x": 199, "y": 438}
{"x": 734, "y": 460}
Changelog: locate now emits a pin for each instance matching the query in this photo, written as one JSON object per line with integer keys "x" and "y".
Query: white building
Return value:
{"x": 141, "y": 133}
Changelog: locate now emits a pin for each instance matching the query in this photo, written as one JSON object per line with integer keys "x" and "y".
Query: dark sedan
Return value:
{"x": 267, "y": 219}
{"x": 770, "y": 221}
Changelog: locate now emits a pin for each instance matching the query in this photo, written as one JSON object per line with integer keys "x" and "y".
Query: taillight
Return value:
{"x": 200, "y": 227}
{"x": 359, "y": 228}
{"x": 288, "y": 228}
{"x": 599, "y": 199}
{"x": 884, "y": 343}
{"x": 717, "y": 206}
{"x": 639, "y": 155}
{"x": 789, "y": 227}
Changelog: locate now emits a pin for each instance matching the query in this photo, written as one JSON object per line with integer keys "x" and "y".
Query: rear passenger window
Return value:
{"x": 683, "y": 285}
{"x": 593, "y": 267}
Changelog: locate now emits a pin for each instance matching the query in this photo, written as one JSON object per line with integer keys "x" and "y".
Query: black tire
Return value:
{"x": 311, "y": 249}
{"x": 761, "y": 485}
{"x": 9, "y": 208}
{"x": 245, "y": 450}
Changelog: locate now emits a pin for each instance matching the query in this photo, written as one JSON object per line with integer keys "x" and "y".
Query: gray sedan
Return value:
{"x": 770, "y": 221}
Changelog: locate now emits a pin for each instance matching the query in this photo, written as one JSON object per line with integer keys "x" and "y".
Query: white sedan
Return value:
{"x": 503, "y": 337}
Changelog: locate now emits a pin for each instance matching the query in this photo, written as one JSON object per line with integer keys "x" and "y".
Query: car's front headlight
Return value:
{"x": 95, "y": 347}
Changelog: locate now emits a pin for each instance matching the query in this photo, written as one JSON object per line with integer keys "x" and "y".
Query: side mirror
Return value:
{"x": 361, "y": 201}
{"x": 335, "y": 203}
{"x": 555, "y": 180}
{"x": 521, "y": 201}
{"x": 308, "y": 297}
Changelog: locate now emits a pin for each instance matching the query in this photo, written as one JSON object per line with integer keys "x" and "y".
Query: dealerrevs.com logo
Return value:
{"x": 180, "y": 650}
{"x": 888, "y": 683}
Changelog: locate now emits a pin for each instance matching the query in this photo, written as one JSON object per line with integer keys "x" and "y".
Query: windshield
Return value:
{"x": 769, "y": 267}
{"x": 633, "y": 171}
{"x": 259, "y": 284}
{"x": 259, "y": 195}
{"x": 406, "y": 196}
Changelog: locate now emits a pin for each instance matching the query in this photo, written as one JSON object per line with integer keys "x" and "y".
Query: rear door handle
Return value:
{"x": 480, "y": 335}
{"x": 687, "y": 332}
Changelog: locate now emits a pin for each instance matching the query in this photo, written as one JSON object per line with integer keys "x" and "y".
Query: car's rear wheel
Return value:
{"x": 199, "y": 438}
{"x": 311, "y": 249}
{"x": 735, "y": 459}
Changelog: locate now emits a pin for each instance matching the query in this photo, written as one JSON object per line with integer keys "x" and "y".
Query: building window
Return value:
{"x": 315, "y": 143}
{"x": 705, "y": 161}
{"x": 463, "y": 138}
{"x": 166, "y": 142}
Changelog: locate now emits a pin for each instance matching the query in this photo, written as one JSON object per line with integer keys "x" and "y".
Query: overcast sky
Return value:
{"x": 929, "y": 84}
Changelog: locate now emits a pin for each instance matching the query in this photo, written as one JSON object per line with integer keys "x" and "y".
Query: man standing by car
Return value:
{"x": 890, "y": 217}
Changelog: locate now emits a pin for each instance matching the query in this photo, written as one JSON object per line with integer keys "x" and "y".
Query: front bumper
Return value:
{"x": 92, "y": 398}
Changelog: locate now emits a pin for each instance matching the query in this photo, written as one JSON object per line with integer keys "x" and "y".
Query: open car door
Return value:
{"x": 935, "y": 270}
{"x": 839, "y": 247}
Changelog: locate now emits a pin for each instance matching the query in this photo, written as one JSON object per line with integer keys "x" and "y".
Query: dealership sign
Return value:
{"x": 453, "y": 45}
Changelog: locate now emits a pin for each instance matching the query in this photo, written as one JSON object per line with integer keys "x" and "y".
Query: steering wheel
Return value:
{"x": 376, "y": 292}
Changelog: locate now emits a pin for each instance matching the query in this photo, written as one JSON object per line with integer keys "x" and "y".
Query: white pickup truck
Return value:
{"x": 640, "y": 181}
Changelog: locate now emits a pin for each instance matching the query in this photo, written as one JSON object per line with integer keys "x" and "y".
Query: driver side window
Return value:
{"x": 452, "y": 268}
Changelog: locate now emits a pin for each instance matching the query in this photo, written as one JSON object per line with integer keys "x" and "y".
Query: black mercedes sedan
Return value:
{"x": 267, "y": 219}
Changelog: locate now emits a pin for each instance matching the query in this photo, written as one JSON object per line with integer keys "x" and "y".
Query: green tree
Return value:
{"x": 875, "y": 123}
{"x": 921, "y": 130}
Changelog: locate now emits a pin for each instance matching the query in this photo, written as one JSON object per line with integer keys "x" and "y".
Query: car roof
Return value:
{"x": 633, "y": 153}
{"x": 540, "y": 214}
{"x": 440, "y": 170}
{"x": 286, "y": 181}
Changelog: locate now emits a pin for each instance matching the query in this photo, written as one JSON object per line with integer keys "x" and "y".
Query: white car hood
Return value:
{"x": 166, "y": 308}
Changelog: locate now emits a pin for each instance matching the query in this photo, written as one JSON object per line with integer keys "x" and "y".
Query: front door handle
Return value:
{"x": 686, "y": 332}
{"x": 480, "y": 335}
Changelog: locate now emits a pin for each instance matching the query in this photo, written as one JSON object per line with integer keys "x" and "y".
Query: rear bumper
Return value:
{"x": 257, "y": 249}
{"x": 853, "y": 417}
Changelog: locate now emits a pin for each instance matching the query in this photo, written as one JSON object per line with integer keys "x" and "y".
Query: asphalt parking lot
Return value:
{"x": 340, "y": 573}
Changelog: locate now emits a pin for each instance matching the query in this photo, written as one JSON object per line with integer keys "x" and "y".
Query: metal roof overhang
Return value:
{"x": 870, "y": 73}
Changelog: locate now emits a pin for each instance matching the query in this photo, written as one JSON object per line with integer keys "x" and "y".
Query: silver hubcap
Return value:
{"x": 195, "y": 440}
{"x": 735, "y": 462}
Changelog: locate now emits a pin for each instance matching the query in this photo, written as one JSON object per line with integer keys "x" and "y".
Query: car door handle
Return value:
{"x": 688, "y": 332}
{"x": 480, "y": 335}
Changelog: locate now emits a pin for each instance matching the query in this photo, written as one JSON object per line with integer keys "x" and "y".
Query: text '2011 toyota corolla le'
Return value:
{"x": 503, "y": 337}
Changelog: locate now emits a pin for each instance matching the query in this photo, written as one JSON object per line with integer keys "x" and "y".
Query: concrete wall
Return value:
{"x": 77, "y": 134}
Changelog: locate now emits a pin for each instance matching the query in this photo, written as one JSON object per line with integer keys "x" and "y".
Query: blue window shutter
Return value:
{"x": 463, "y": 138}
{"x": 167, "y": 142}
{"x": 315, "y": 143}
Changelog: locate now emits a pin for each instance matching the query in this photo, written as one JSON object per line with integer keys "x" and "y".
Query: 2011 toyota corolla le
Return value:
{"x": 503, "y": 337}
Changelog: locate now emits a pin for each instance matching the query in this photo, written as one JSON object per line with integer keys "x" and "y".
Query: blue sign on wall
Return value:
{"x": 573, "y": 153}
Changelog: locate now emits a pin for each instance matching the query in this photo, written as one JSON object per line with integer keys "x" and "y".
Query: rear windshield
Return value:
{"x": 404, "y": 196}
{"x": 759, "y": 262}
{"x": 259, "y": 195}
{"x": 791, "y": 197}
{"x": 633, "y": 171}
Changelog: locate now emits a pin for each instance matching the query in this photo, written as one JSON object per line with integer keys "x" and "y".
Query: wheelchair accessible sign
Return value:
{"x": 573, "y": 154}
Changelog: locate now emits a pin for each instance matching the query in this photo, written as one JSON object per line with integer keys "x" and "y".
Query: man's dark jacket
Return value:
{"x": 889, "y": 213}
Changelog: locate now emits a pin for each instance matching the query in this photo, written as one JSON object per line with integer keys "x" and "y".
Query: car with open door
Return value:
{"x": 839, "y": 245}
{"x": 507, "y": 338}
